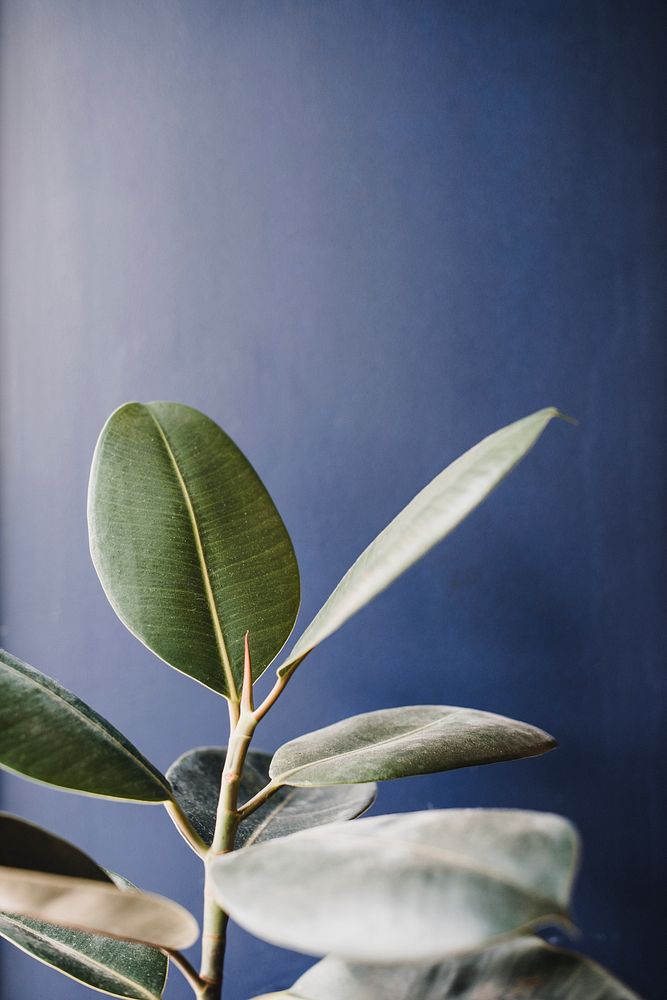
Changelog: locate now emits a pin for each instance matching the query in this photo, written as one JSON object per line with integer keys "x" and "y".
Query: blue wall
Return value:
{"x": 360, "y": 235}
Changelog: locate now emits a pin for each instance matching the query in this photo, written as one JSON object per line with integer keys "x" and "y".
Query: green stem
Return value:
{"x": 227, "y": 821}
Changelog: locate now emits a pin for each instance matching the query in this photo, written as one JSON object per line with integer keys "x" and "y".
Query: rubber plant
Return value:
{"x": 198, "y": 564}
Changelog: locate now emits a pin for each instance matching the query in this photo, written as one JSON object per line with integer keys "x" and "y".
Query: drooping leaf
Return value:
{"x": 118, "y": 968}
{"x": 427, "y": 519}
{"x": 45, "y": 878}
{"x": 188, "y": 545}
{"x": 396, "y": 742}
{"x": 50, "y": 735}
{"x": 404, "y": 888}
{"x": 195, "y": 778}
{"x": 31, "y": 848}
{"x": 524, "y": 968}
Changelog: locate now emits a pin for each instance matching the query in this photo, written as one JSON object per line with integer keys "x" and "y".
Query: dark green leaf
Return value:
{"x": 396, "y": 742}
{"x": 47, "y": 879}
{"x": 521, "y": 969}
{"x": 195, "y": 778}
{"x": 188, "y": 545}
{"x": 410, "y": 888}
{"x": 427, "y": 519}
{"x": 50, "y": 735}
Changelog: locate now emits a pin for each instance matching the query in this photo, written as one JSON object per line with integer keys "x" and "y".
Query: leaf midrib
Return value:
{"x": 89, "y": 721}
{"x": 360, "y": 750}
{"x": 78, "y": 956}
{"x": 259, "y": 829}
{"x": 455, "y": 859}
{"x": 201, "y": 555}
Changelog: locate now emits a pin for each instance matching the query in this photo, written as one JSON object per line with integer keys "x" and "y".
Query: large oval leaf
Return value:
{"x": 402, "y": 888}
{"x": 188, "y": 545}
{"x": 427, "y": 519}
{"x": 396, "y": 742}
{"x": 45, "y": 878}
{"x": 118, "y": 968}
{"x": 524, "y": 968}
{"x": 195, "y": 778}
{"x": 50, "y": 735}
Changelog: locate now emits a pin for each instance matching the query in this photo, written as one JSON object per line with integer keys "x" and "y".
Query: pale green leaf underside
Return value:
{"x": 524, "y": 968}
{"x": 415, "y": 887}
{"x": 396, "y": 742}
{"x": 427, "y": 519}
{"x": 47, "y": 879}
{"x": 188, "y": 544}
{"x": 50, "y": 735}
{"x": 98, "y": 908}
{"x": 119, "y": 968}
{"x": 195, "y": 778}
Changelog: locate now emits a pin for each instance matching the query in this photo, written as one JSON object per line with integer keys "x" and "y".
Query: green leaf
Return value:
{"x": 410, "y": 888}
{"x": 47, "y": 879}
{"x": 396, "y": 742}
{"x": 50, "y": 735}
{"x": 188, "y": 545}
{"x": 195, "y": 778}
{"x": 427, "y": 519}
{"x": 523, "y": 968}
{"x": 119, "y": 968}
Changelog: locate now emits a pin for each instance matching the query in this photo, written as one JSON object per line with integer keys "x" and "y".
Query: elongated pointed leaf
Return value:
{"x": 195, "y": 778}
{"x": 47, "y": 879}
{"x": 50, "y": 735}
{"x": 396, "y": 742}
{"x": 524, "y": 968}
{"x": 405, "y": 888}
{"x": 427, "y": 519}
{"x": 118, "y": 968}
{"x": 188, "y": 545}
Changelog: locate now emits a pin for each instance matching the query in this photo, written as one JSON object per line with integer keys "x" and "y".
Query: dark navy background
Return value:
{"x": 360, "y": 235}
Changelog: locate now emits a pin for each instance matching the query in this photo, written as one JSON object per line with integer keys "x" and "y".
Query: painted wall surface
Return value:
{"x": 360, "y": 235}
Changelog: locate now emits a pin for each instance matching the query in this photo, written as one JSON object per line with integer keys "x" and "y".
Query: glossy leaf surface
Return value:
{"x": 196, "y": 782}
{"x": 188, "y": 544}
{"x": 45, "y": 878}
{"x": 118, "y": 968}
{"x": 521, "y": 969}
{"x": 50, "y": 735}
{"x": 427, "y": 519}
{"x": 396, "y": 742}
{"x": 407, "y": 888}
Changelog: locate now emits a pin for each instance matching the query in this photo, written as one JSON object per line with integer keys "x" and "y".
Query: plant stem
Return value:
{"x": 182, "y": 824}
{"x": 227, "y": 820}
{"x": 259, "y": 799}
{"x": 181, "y": 963}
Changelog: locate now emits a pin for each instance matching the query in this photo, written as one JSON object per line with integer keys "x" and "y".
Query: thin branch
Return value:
{"x": 182, "y": 964}
{"x": 186, "y": 830}
{"x": 259, "y": 799}
{"x": 272, "y": 697}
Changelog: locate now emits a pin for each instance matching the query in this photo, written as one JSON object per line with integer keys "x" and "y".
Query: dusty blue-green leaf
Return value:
{"x": 45, "y": 878}
{"x": 118, "y": 968}
{"x": 396, "y": 742}
{"x": 427, "y": 519}
{"x": 408, "y": 888}
{"x": 50, "y": 735}
{"x": 521, "y": 969}
{"x": 188, "y": 544}
{"x": 195, "y": 778}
